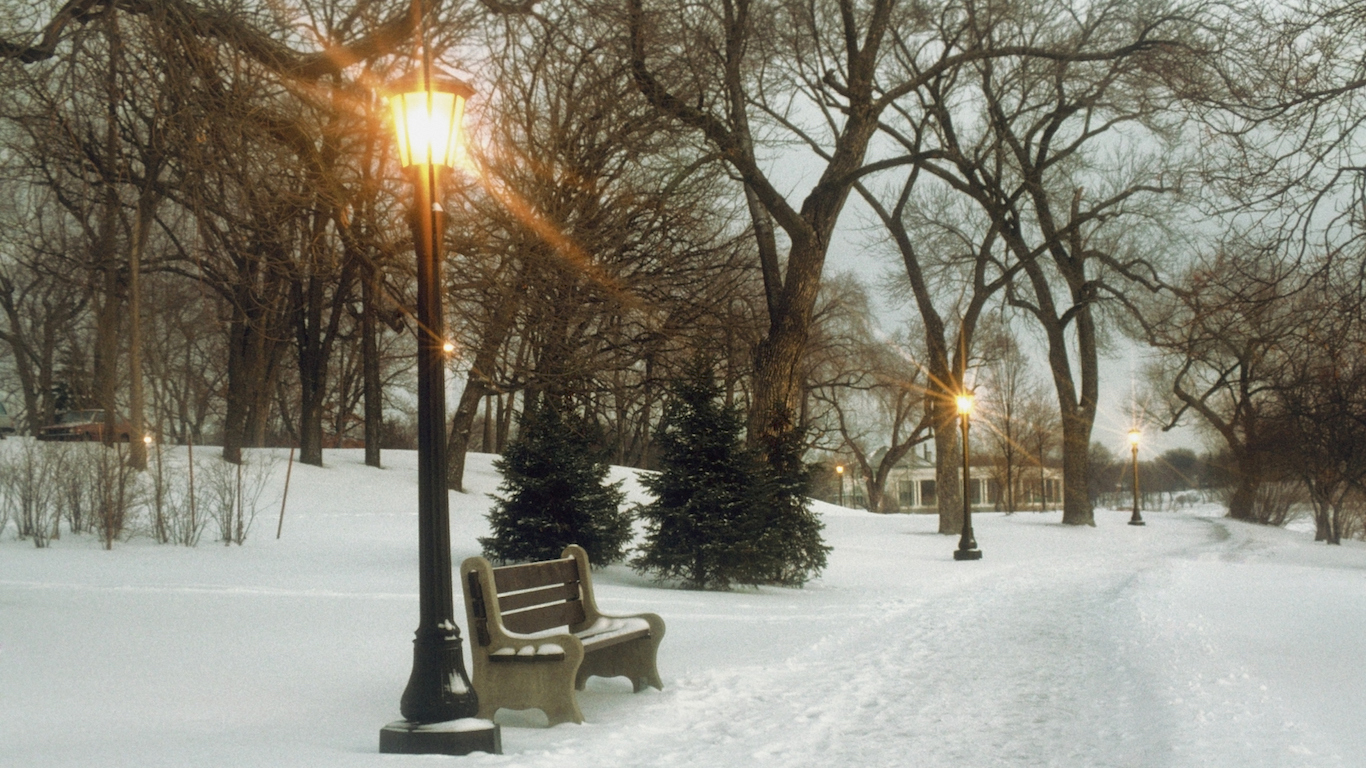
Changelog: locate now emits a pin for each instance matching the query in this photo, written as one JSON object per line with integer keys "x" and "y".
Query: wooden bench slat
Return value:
{"x": 554, "y": 593}
{"x": 545, "y": 617}
{"x": 513, "y": 578}
{"x": 591, "y": 644}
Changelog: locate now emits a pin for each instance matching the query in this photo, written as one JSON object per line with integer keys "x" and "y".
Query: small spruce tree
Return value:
{"x": 703, "y": 526}
{"x": 554, "y": 493}
{"x": 791, "y": 542}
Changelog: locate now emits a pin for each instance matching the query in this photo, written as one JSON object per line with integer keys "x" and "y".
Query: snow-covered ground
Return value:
{"x": 1193, "y": 641}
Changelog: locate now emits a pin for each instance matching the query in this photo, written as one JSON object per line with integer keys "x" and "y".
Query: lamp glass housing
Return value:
{"x": 964, "y": 404}
{"x": 1134, "y": 435}
{"x": 427, "y": 114}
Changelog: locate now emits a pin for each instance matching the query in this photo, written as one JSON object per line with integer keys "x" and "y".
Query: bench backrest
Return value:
{"x": 533, "y": 597}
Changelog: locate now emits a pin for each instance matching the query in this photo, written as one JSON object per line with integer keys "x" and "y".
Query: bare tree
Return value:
{"x": 1319, "y": 412}
{"x": 726, "y": 72}
{"x": 1028, "y": 139}
{"x": 1010, "y": 390}
{"x": 869, "y": 386}
{"x": 1223, "y": 333}
{"x": 592, "y": 239}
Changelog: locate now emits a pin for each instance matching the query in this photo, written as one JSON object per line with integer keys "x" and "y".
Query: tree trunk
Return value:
{"x": 877, "y": 480}
{"x": 462, "y": 427}
{"x": 507, "y": 411}
{"x": 372, "y": 387}
{"x": 1242, "y": 503}
{"x": 312, "y": 371}
{"x": 487, "y": 441}
{"x": 1076, "y": 465}
{"x": 236, "y": 398}
{"x": 253, "y": 358}
{"x": 137, "y": 449}
{"x": 109, "y": 301}
{"x": 948, "y": 480}
{"x": 778, "y": 357}
{"x": 479, "y": 382}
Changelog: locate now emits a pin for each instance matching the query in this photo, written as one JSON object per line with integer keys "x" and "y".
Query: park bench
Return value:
{"x": 536, "y": 635}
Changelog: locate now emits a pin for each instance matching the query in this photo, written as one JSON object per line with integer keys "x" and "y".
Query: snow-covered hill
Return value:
{"x": 1193, "y": 641}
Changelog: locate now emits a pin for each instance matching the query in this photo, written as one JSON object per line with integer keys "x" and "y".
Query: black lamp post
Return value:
{"x": 1135, "y": 519}
{"x": 839, "y": 472}
{"x": 967, "y": 544}
{"x": 427, "y": 109}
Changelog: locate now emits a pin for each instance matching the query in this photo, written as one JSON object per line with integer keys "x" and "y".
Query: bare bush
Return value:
{"x": 76, "y": 484}
{"x": 1278, "y": 503}
{"x": 28, "y": 495}
{"x": 5, "y": 496}
{"x": 4, "y": 491}
{"x": 115, "y": 493}
{"x": 1352, "y": 516}
{"x": 180, "y": 518}
{"x": 232, "y": 493}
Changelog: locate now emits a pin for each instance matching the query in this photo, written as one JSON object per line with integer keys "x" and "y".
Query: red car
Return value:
{"x": 84, "y": 426}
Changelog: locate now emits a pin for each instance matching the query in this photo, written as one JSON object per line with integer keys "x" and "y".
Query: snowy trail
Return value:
{"x": 1192, "y": 642}
{"x": 1023, "y": 662}
{"x": 986, "y": 659}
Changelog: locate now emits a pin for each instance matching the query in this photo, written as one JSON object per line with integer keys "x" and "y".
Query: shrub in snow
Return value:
{"x": 703, "y": 527}
{"x": 178, "y": 514}
{"x": 232, "y": 495}
{"x": 555, "y": 493}
{"x": 115, "y": 493}
{"x": 791, "y": 542}
{"x": 720, "y": 515}
{"x": 77, "y": 484}
{"x": 4, "y": 494}
{"x": 29, "y": 493}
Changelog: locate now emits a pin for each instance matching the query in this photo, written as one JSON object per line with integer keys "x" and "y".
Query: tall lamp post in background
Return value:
{"x": 839, "y": 472}
{"x": 967, "y": 544}
{"x": 1135, "y": 519}
{"x": 427, "y": 108}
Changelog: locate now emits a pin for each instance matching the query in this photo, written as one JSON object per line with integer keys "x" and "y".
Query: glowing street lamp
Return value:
{"x": 427, "y": 108}
{"x": 967, "y": 544}
{"x": 839, "y": 472}
{"x": 1136, "y": 518}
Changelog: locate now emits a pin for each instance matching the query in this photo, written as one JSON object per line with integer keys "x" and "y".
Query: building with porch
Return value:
{"x": 913, "y": 487}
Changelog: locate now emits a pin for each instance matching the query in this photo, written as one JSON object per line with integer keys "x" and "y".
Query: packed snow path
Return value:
{"x": 1194, "y": 641}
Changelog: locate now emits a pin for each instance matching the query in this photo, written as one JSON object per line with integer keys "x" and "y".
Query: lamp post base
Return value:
{"x": 1137, "y": 522}
{"x": 967, "y": 554}
{"x": 453, "y": 737}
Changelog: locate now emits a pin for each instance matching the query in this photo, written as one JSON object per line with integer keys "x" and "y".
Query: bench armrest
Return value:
{"x": 590, "y": 603}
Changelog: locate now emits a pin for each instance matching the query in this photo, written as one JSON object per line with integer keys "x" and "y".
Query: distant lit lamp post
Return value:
{"x": 839, "y": 472}
{"x": 967, "y": 545}
{"x": 427, "y": 108}
{"x": 1135, "y": 519}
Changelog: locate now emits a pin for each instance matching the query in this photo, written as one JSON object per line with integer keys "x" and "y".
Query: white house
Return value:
{"x": 912, "y": 485}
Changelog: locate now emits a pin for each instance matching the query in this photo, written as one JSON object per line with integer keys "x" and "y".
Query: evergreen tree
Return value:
{"x": 791, "y": 544}
{"x": 704, "y": 525}
{"x": 554, "y": 493}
